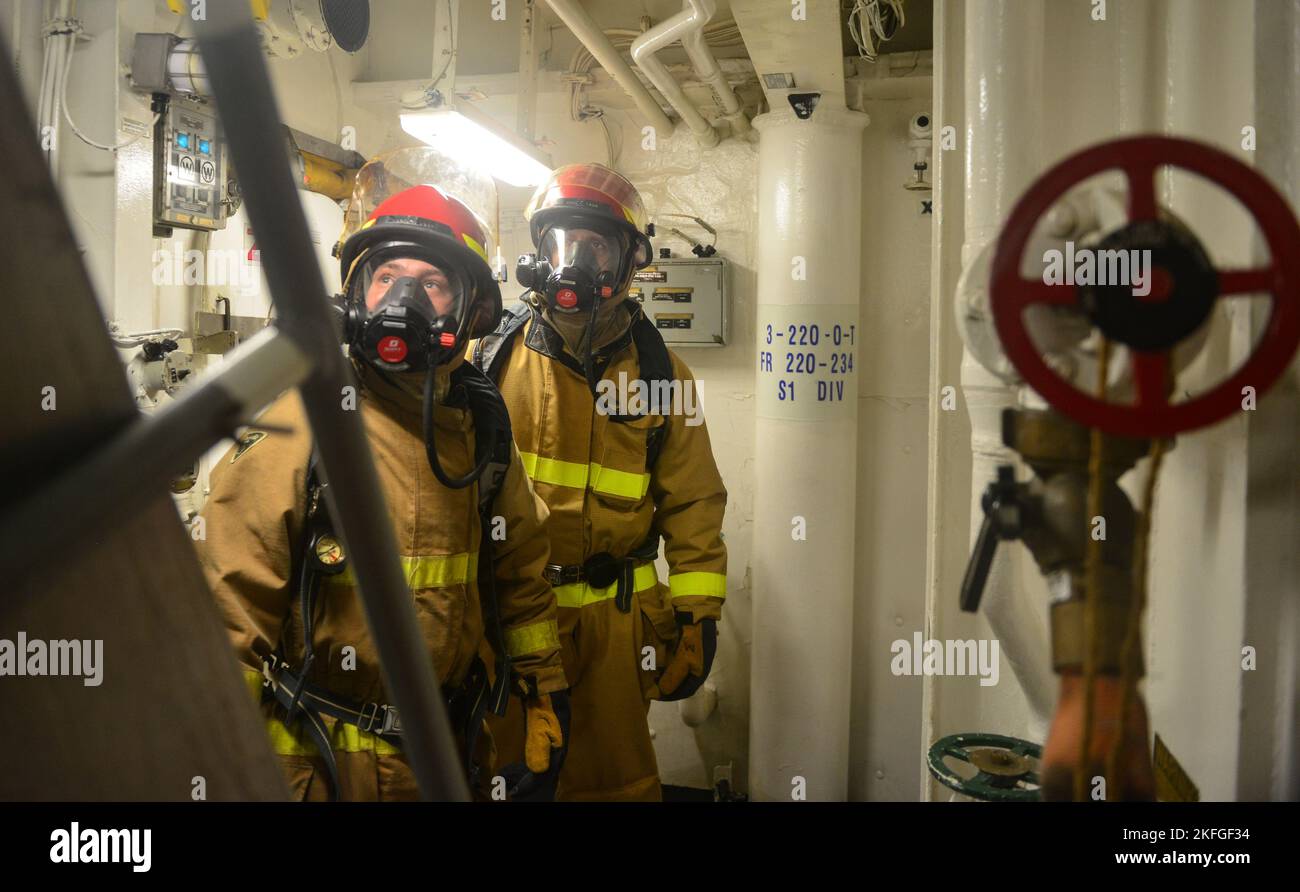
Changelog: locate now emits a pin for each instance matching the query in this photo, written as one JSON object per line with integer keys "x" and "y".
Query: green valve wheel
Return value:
{"x": 1005, "y": 768}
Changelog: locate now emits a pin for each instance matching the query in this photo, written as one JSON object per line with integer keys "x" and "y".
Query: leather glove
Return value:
{"x": 691, "y": 661}
{"x": 546, "y": 736}
{"x": 543, "y": 733}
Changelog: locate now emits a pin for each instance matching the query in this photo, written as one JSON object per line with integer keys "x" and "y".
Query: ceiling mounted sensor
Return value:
{"x": 292, "y": 25}
{"x": 804, "y": 103}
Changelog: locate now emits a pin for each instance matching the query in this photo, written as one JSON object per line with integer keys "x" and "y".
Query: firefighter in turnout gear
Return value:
{"x": 617, "y": 476}
{"x": 469, "y": 525}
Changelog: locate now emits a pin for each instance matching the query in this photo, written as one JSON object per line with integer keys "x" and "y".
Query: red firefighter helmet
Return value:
{"x": 429, "y": 222}
{"x": 592, "y": 196}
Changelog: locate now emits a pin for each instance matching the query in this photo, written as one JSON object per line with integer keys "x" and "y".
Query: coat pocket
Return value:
{"x": 622, "y": 478}
{"x": 300, "y": 775}
{"x": 658, "y": 631}
{"x": 441, "y": 613}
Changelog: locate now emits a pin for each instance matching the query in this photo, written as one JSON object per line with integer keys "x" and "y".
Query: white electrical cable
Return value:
{"x": 43, "y": 101}
{"x": 67, "y": 116}
{"x": 879, "y": 26}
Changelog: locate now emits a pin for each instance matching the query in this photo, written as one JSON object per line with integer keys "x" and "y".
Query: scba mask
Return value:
{"x": 406, "y": 309}
{"x": 578, "y": 266}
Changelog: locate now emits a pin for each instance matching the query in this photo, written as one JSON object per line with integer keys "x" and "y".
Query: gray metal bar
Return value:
{"x": 241, "y": 86}
{"x": 131, "y": 469}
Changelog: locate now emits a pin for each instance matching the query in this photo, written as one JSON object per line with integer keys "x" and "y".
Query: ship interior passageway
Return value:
{"x": 654, "y": 400}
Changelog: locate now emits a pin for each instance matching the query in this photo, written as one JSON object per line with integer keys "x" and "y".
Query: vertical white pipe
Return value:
{"x": 809, "y": 233}
{"x": 1004, "y": 105}
{"x": 584, "y": 27}
{"x": 1269, "y": 748}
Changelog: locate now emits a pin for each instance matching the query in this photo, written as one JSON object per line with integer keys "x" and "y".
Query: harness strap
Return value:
{"x": 320, "y": 555}
{"x": 466, "y": 708}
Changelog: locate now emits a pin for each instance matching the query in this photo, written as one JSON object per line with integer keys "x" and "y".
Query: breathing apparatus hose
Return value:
{"x": 431, "y": 448}
{"x": 587, "y": 346}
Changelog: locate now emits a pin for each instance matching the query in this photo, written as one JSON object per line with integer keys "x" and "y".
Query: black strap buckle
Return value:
{"x": 385, "y": 716}
{"x": 560, "y": 574}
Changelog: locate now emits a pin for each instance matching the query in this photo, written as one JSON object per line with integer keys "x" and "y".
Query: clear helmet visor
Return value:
{"x": 595, "y": 250}
{"x": 386, "y": 175}
{"x": 375, "y": 282}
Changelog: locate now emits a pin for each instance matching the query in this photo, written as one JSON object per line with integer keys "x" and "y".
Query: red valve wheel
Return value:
{"x": 1186, "y": 284}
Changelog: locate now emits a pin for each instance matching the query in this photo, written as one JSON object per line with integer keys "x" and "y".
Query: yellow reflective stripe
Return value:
{"x": 254, "y": 680}
{"x": 705, "y": 585}
{"x": 579, "y": 594}
{"x": 627, "y": 484}
{"x": 554, "y": 471}
{"x": 476, "y": 247}
{"x": 347, "y": 738}
{"x": 285, "y": 743}
{"x": 619, "y": 483}
{"x": 534, "y": 637}
{"x": 427, "y": 571}
{"x": 344, "y": 738}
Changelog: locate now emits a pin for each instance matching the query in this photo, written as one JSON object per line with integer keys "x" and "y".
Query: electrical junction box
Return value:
{"x": 190, "y": 177}
{"x": 686, "y": 299}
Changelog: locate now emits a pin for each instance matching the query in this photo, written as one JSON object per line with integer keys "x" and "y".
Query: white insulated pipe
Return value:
{"x": 806, "y": 452}
{"x": 694, "y": 16}
{"x": 58, "y": 48}
{"x": 584, "y": 28}
{"x": 706, "y": 66}
{"x": 1004, "y": 99}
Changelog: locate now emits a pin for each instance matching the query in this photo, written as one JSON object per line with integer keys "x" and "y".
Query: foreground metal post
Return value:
{"x": 124, "y": 473}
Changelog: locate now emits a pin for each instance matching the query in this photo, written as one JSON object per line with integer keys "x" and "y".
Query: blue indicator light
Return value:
{"x": 205, "y": 147}
{"x": 183, "y": 140}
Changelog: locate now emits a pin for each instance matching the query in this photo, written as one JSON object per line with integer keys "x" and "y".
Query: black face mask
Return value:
{"x": 570, "y": 290}
{"x": 403, "y": 334}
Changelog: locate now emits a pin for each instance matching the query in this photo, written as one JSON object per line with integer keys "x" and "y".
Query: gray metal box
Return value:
{"x": 189, "y": 167}
{"x": 686, "y": 299}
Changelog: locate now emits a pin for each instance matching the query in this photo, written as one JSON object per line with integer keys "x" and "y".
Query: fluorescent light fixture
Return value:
{"x": 467, "y": 135}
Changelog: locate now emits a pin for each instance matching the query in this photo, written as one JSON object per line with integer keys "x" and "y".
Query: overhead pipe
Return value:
{"x": 692, "y": 19}
{"x": 593, "y": 38}
{"x": 706, "y": 66}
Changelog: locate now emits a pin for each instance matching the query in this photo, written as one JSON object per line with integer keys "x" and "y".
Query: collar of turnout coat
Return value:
{"x": 450, "y": 414}
{"x": 544, "y": 339}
